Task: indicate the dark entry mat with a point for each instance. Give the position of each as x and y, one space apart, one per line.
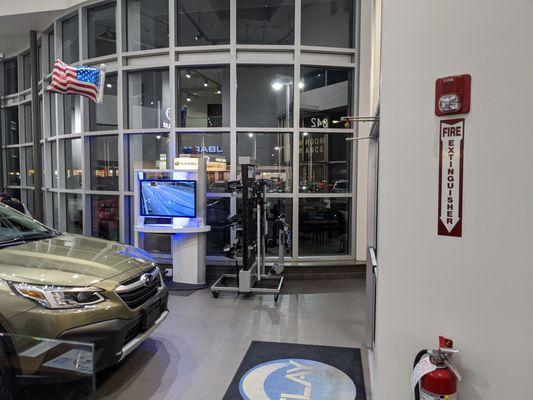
183 289
273 371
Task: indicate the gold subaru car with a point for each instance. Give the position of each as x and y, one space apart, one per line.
74 288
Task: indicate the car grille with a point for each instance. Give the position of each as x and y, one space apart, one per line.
138 290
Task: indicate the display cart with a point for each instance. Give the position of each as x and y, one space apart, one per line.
251 276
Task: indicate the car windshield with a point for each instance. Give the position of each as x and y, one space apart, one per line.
18 228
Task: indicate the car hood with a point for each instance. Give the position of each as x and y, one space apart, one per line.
70 260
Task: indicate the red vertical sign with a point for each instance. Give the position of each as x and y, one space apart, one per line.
451 155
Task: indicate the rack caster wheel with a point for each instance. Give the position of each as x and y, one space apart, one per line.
276 297
215 295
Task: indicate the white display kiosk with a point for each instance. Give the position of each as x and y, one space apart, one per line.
188 234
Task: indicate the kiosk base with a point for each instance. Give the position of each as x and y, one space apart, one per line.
188 258
188 250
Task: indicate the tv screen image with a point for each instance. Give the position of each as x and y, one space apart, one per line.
171 198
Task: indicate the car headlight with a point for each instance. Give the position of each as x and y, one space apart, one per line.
58 297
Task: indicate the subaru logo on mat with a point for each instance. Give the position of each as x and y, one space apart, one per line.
147 279
296 379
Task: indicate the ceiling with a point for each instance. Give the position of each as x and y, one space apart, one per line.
15 29
18 18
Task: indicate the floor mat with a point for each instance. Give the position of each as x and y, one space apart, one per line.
183 289
271 371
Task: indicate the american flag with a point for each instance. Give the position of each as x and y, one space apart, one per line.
82 80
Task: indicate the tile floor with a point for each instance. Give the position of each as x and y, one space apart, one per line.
196 352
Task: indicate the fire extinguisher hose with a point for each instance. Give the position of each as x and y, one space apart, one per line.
418 357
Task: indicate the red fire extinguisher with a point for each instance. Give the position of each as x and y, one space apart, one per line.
437 374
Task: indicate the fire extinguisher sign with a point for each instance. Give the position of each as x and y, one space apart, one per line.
451 155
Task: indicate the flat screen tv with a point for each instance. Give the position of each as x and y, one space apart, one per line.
168 198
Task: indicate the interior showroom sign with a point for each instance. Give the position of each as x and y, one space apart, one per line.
451 154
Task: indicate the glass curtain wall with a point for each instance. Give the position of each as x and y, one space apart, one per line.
28 135
101 30
11 125
149 99
147 24
273 154
213 145
328 23
203 100
73 168
51 51
103 116
148 151
10 77
202 22
13 166
104 162
265 22
74 213
70 42
29 170
197 91
26 71
71 114
265 96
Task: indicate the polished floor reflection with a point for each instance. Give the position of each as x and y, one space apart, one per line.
196 352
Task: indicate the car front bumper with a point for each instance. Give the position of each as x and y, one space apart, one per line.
114 339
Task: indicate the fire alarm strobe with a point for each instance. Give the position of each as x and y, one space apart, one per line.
452 95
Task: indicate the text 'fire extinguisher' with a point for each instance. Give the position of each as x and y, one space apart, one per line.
434 376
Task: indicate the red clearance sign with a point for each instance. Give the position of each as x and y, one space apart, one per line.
451 154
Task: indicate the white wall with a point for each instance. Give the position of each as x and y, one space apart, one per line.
10 7
476 289
367 84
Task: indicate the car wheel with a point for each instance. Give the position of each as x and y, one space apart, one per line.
7 375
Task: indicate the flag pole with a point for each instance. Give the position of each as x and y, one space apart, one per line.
100 96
